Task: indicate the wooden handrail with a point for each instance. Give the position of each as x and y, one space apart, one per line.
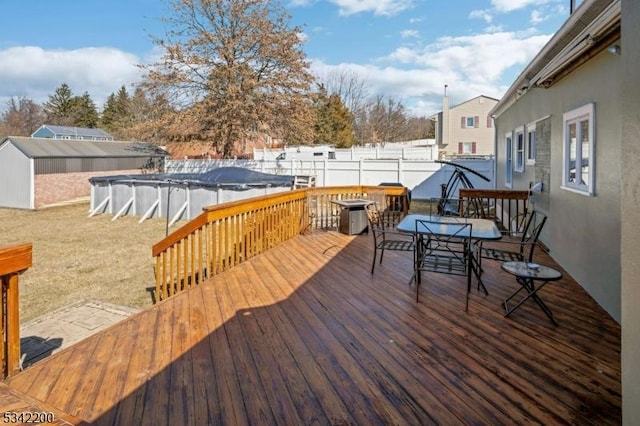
507 207
224 235
14 260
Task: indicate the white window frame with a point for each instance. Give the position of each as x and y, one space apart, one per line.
466 145
508 157
531 143
578 116
518 165
473 122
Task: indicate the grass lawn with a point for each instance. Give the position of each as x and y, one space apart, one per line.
76 257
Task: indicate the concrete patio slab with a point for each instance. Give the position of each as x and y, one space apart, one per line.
63 327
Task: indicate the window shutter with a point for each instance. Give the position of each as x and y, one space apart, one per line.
489 122
460 148
473 147
476 121
463 122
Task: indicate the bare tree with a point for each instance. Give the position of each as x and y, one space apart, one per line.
231 67
353 92
22 117
348 85
387 120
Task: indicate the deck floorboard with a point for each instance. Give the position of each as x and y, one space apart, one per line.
305 334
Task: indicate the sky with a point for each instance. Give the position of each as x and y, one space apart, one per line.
404 49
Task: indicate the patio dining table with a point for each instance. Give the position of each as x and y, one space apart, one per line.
481 229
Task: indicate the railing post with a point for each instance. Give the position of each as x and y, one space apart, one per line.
12 324
14 260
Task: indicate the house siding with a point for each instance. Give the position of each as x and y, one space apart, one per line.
15 178
630 214
481 133
43 132
583 233
75 165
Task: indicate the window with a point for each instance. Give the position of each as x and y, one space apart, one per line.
578 143
519 166
469 122
466 147
508 156
531 143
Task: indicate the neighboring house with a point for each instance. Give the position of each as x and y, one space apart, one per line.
37 172
570 125
68 132
465 129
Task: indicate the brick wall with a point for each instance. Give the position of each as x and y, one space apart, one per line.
59 187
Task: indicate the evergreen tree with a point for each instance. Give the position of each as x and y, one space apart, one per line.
109 117
84 112
334 121
123 108
65 109
117 115
59 106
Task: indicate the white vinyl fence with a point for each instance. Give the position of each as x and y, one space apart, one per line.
423 177
422 149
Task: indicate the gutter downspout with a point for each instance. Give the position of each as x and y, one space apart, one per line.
495 152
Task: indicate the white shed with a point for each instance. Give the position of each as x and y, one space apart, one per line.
35 172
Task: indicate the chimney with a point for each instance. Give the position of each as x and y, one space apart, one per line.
445 117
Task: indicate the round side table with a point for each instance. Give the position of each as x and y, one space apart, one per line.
527 274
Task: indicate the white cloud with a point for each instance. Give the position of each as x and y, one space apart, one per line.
511 5
494 29
377 7
481 14
470 65
537 17
35 73
409 34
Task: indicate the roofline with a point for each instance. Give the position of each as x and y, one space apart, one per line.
133 154
555 52
464 102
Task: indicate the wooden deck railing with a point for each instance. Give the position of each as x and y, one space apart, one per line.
14 260
508 208
224 235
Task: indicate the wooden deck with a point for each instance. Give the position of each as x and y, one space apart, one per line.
305 335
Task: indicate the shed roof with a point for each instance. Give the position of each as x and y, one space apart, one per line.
59 148
76 131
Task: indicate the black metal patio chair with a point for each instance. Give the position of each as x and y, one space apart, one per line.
385 236
444 247
517 246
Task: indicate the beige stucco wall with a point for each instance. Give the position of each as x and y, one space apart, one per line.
583 233
483 135
630 213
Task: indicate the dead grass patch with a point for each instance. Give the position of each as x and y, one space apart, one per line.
76 257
